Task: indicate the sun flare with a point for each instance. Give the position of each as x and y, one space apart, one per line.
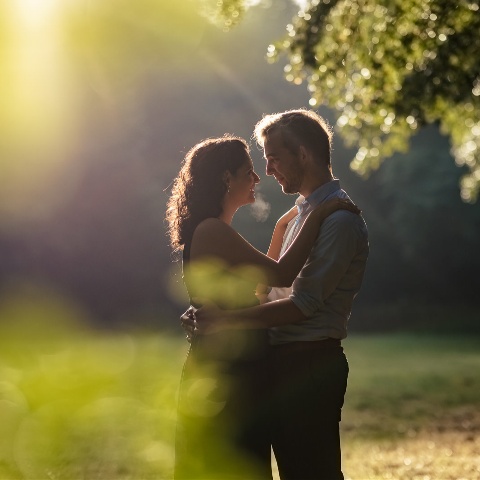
38 104
35 13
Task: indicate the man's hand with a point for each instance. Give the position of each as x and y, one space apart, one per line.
210 319
188 321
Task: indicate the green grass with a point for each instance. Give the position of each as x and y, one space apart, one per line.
81 405
412 407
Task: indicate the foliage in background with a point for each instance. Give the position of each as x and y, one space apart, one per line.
424 239
388 68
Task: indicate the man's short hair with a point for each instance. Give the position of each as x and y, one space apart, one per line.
297 128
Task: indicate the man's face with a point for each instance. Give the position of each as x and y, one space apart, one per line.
285 166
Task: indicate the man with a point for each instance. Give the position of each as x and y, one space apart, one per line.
308 368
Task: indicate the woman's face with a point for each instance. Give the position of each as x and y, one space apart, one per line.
242 184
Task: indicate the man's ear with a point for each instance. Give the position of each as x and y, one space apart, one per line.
303 154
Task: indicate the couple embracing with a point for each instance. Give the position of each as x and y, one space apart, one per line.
266 368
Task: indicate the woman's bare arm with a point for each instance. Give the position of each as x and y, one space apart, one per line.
275 247
279 232
214 238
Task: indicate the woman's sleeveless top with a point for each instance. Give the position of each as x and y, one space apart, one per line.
213 281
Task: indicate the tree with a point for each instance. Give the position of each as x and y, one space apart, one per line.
388 67
424 238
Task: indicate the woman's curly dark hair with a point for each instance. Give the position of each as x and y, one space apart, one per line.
200 186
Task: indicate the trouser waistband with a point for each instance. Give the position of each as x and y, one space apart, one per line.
307 345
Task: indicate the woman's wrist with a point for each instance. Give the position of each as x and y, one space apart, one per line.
285 219
281 224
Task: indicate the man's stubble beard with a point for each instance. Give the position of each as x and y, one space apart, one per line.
293 186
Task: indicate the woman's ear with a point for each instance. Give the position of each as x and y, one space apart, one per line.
227 177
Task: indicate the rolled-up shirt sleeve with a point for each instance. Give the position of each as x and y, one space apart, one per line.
325 271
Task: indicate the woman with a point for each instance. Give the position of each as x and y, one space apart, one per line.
220 433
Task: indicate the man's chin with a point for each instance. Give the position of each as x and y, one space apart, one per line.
287 190
286 187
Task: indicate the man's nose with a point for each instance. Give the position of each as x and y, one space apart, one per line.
268 168
256 178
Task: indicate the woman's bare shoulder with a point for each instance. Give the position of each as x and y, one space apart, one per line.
210 225
215 238
211 236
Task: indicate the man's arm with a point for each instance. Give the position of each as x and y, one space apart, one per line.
188 322
327 265
210 318
329 262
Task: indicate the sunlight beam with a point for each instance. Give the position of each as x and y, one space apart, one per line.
38 103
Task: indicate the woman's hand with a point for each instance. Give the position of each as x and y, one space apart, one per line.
327 208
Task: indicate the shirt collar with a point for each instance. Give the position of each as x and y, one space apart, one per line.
302 204
323 192
318 196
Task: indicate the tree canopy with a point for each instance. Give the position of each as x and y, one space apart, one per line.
388 67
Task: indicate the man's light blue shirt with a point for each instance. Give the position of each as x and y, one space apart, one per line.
330 279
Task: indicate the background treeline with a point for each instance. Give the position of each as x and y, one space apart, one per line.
104 245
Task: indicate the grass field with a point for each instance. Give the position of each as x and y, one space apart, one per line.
90 406
413 408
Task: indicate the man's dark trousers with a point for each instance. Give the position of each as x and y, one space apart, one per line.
309 381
